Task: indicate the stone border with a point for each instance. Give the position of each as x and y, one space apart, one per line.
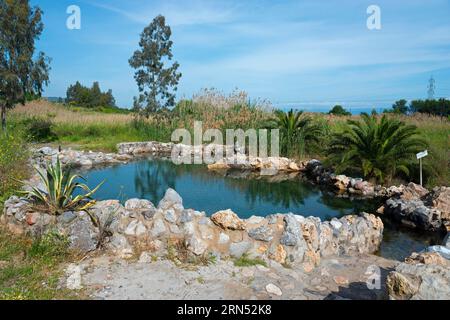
285 238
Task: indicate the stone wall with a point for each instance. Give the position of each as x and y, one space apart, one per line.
285 238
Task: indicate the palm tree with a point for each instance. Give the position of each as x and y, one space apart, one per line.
295 131
380 148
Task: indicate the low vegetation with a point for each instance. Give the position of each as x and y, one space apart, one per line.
380 149
246 261
13 164
58 195
31 269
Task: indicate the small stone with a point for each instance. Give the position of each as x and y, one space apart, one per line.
340 280
273 289
135 228
67 217
145 258
223 238
170 216
237 250
186 216
32 218
196 245
159 228
255 220
73 281
227 219
248 272
262 233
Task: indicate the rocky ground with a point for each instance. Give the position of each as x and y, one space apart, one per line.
337 278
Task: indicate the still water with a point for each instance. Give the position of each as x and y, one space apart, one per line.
246 195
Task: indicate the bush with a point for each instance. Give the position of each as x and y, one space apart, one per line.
39 129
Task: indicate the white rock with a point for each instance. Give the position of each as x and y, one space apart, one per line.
73 281
255 220
223 238
135 228
145 258
273 289
159 228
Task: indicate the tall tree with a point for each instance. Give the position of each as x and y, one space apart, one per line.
20 76
156 78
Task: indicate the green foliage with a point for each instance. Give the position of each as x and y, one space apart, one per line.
93 97
439 107
246 261
400 107
51 244
60 187
31 269
21 76
13 164
380 149
39 129
156 82
339 111
296 130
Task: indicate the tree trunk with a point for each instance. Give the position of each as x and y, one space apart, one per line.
4 118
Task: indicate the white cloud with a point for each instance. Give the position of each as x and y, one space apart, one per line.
178 14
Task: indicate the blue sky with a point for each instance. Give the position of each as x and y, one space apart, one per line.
306 53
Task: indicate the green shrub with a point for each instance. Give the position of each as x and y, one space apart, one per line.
39 129
58 194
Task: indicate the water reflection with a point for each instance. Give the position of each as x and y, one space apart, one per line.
246 193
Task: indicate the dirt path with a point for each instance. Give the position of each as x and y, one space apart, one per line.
338 278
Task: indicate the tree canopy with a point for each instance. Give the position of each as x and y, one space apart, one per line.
92 97
21 73
339 111
156 78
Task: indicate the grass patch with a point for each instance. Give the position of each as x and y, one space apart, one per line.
246 261
30 270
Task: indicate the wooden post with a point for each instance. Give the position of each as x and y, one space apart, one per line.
420 160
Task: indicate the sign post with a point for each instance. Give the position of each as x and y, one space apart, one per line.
421 155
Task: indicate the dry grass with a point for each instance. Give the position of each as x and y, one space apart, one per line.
66 115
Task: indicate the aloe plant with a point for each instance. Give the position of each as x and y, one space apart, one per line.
58 194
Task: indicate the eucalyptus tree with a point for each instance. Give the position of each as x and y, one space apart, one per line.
20 75
157 78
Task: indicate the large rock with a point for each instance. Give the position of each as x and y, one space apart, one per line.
227 219
292 233
413 213
140 206
341 182
262 233
82 234
413 192
441 201
419 282
171 199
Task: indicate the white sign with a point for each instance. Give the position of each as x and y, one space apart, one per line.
422 154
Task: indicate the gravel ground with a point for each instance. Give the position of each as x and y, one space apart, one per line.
336 278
